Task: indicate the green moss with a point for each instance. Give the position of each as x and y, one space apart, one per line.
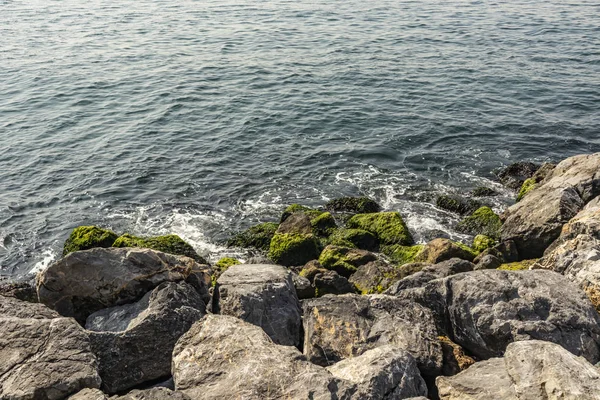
482 222
466 248
323 225
518 266
457 205
482 242
258 236
226 262
294 208
526 187
358 205
402 254
354 238
171 244
87 237
344 260
388 227
291 249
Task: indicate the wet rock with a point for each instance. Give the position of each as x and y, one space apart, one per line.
87 237
170 244
330 282
457 204
223 357
355 205
388 227
263 295
340 327
482 243
42 355
88 281
343 260
507 251
354 238
482 222
536 221
297 223
134 342
385 372
439 250
430 273
258 237
292 249
483 191
513 175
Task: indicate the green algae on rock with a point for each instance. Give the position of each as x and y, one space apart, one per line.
441 249
294 208
87 237
355 238
171 244
402 254
518 266
388 227
482 242
258 236
226 262
323 225
291 249
526 187
356 205
484 221
344 260
456 204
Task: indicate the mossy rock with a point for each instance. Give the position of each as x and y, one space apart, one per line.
87 237
441 249
482 191
484 221
526 187
388 227
294 208
518 266
402 254
354 238
291 249
226 262
482 243
356 205
323 225
171 244
258 237
457 205
344 260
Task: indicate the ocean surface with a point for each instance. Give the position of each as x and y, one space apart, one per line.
204 117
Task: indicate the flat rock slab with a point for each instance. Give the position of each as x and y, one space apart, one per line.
87 281
340 327
134 342
42 355
263 295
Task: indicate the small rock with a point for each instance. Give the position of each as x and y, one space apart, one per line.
488 262
482 222
258 237
358 238
19 290
170 244
457 205
439 250
87 237
330 282
297 223
483 191
344 260
356 205
304 288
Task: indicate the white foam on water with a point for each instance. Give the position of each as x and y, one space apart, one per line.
49 255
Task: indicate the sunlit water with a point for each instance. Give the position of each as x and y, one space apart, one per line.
204 117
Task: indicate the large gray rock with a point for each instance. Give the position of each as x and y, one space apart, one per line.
148 394
385 372
263 295
340 327
483 311
87 281
429 273
530 370
223 357
586 222
536 221
42 355
134 342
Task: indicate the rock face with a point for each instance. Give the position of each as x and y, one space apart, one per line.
530 370
224 357
42 355
429 273
263 295
340 327
536 221
88 281
134 342
382 373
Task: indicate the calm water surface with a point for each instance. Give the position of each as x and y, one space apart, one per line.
204 117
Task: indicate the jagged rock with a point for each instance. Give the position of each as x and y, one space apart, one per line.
304 288
385 372
263 295
536 221
586 222
439 250
42 355
223 357
88 281
339 327
513 175
134 342
19 290
427 274
530 370
507 251
330 282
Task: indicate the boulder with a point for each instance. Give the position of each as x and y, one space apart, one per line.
457 205
330 282
385 372
344 260
430 273
488 262
263 295
87 237
388 227
530 370
483 221
513 175
88 281
223 357
42 355
482 243
439 250
297 223
340 327
400 255
292 249
377 276
354 238
355 205
257 236
170 244
536 221
134 342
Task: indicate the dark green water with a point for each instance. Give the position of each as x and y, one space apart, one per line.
203 117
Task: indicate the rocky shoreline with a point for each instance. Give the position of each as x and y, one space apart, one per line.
335 303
